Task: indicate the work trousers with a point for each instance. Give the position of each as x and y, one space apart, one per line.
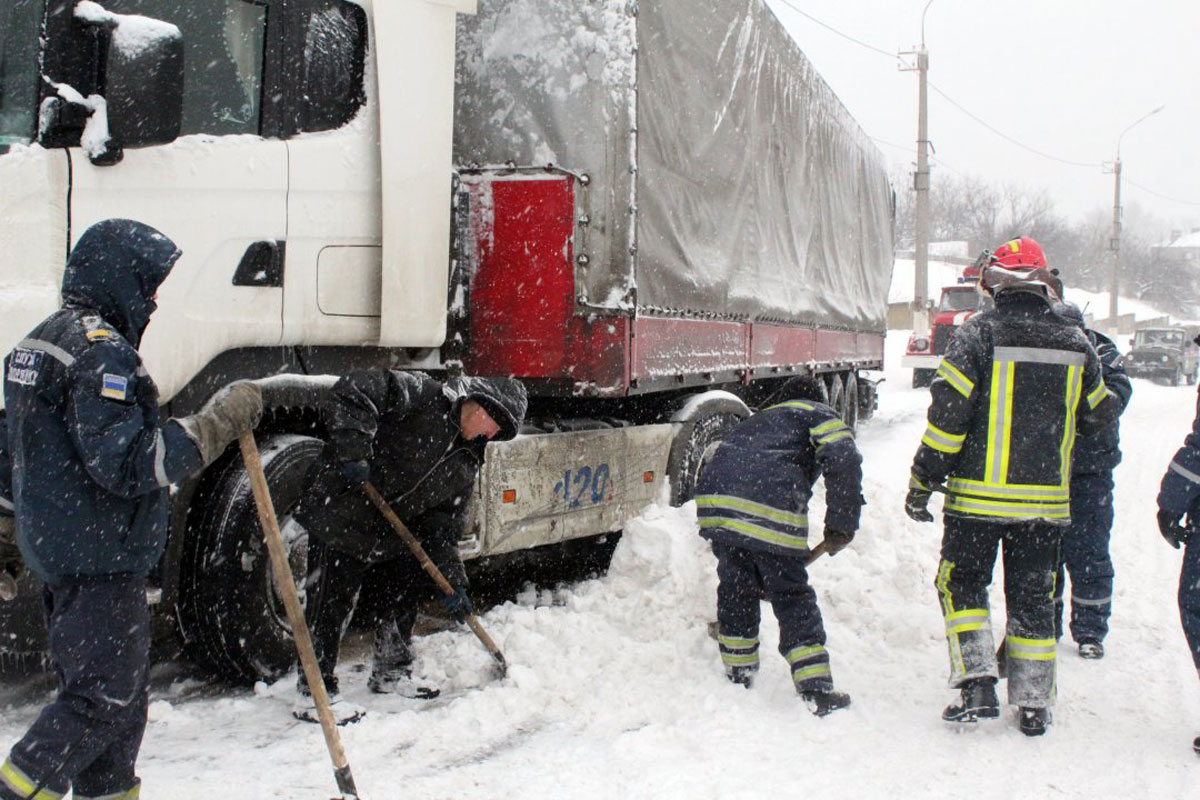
744 576
1086 559
88 738
1030 549
334 583
1189 596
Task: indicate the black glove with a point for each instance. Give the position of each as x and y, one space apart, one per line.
356 473
836 541
914 505
1172 531
458 605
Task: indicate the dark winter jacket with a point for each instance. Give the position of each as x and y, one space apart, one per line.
1179 492
1016 384
754 492
1096 454
406 425
91 457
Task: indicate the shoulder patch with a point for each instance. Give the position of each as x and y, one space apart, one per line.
24 366
114 387
97 330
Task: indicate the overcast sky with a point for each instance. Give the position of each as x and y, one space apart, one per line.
1063 77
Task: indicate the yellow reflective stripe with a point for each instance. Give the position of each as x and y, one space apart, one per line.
733 642
757 532
955 378
1098 394
792 404
816 670
943 586
1007 491
971 619
804 652
132 794
739 659
1000 421
1074 387
915 483
1031 649
23 785
940 440
825 427
833 437
994 508
751 507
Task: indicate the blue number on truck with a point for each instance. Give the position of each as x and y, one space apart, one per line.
584 486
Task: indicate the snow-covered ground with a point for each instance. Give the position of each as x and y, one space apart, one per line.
616 691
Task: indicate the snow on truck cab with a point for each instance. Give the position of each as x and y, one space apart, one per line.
506 187
958 303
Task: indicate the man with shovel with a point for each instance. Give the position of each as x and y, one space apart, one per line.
89 462
420 442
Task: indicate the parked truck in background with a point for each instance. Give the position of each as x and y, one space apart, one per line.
957 304
652 213
1164 353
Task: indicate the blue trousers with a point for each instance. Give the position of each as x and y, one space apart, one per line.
1086 559
88 738
745 575
1189 596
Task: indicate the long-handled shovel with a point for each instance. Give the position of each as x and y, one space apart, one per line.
291 601
432 570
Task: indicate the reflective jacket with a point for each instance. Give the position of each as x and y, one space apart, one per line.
406 426
754 492
1098 453
91 456
1016 384
1179 492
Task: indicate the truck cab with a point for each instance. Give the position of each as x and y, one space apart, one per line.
957 304
1165 354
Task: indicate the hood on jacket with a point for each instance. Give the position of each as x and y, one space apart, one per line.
504 399
116 268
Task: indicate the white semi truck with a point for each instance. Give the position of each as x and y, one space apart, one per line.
652 213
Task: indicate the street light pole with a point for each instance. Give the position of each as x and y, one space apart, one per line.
1114 241
921 187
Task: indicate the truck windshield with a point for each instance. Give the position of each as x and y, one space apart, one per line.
20 29
1158 339
961 301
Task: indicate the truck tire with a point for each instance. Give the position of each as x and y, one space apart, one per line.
850 417
837 393
922 377
232 619
695 444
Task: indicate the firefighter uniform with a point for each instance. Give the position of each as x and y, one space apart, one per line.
752 504
1085 544
1015 385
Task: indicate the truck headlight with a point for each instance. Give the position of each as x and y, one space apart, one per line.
919 344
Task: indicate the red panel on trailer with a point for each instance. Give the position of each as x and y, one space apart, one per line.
522 295
665 348
780 346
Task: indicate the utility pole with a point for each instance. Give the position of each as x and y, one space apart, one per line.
1114 241
921 185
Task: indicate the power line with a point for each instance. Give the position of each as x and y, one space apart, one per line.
832 29
1161 196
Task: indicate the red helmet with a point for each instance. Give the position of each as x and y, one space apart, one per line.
1021 253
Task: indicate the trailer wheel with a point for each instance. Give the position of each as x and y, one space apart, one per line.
850 415
695 444
233 620
837 394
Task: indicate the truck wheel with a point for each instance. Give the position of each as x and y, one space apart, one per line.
837 394
233 620
922 377
850 417
695 444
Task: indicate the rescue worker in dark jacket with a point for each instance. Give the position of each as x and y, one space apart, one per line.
1179 495
421 443
1085 544
1016 382
91 463
752 503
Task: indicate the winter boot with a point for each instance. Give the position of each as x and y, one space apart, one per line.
400 682
344 711
1196 745
824 702
743 676
1091 649
978 701
1034 721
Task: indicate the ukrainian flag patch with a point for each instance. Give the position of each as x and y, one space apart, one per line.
114 387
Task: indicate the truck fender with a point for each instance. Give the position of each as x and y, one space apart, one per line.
703 421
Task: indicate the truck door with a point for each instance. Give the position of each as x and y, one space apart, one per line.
220 191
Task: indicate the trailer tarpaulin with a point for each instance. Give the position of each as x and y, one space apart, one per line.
726 178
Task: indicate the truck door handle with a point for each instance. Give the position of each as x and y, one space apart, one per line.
261 265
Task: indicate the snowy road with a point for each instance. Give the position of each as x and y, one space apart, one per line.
616 691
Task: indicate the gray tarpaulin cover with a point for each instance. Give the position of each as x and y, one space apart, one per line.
716 155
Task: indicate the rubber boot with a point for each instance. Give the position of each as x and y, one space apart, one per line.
824 703
977 701
1034 721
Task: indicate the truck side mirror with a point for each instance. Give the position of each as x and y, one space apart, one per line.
143 88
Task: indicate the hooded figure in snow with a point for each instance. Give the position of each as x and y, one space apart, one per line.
421 443
89 460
